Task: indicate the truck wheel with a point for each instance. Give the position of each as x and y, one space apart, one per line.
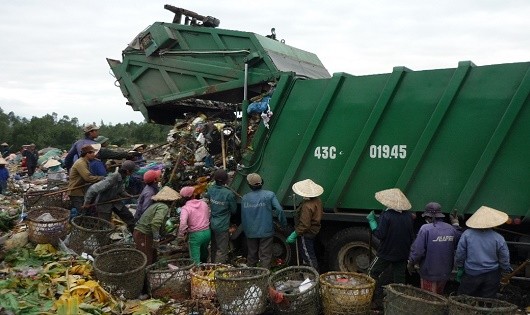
282 252
349 250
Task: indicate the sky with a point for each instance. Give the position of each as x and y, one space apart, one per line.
53 53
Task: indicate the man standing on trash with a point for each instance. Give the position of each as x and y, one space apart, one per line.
257 210
32 158
482 254
91 132
307 220
223 204
434 249
109 189
395 232
80 177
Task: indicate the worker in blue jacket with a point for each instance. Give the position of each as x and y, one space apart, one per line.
482 254
257 210
91 132
434 249
395 232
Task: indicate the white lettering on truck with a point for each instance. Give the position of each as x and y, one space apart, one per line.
397 151
325 153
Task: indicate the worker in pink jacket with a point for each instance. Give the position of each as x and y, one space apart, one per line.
195 221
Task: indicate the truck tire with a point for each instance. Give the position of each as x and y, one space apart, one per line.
282 253
349 250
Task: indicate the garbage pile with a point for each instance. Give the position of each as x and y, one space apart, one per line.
199 144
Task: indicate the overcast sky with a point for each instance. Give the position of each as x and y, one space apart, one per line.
53 53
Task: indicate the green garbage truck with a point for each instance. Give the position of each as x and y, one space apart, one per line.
459 136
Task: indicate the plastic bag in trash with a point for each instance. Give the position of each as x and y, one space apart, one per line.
259 106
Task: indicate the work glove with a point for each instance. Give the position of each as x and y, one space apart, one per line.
459 274
410 267
170 225
292 238
454 218
371 220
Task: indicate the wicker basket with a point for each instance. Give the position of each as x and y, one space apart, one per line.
44 198
305 302
48 231
468 305
100 250
121 271
203 280
170 282
89 233
405 299
346 292
242 291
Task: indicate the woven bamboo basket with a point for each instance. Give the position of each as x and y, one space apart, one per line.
242 291
306 302
47 231
469 305
100 250
203 280
121 271
44 198
89 233
346 292
170 279
404 299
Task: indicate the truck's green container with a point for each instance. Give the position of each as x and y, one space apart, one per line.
457 136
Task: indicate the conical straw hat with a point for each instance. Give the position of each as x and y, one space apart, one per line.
138 145
393 198
96 146
486 217
3 161
307 188
166 194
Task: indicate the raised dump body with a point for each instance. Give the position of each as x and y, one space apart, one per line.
171 69
456 136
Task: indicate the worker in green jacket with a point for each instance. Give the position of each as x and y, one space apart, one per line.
223 204
148 228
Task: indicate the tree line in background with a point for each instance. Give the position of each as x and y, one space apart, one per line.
52 131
